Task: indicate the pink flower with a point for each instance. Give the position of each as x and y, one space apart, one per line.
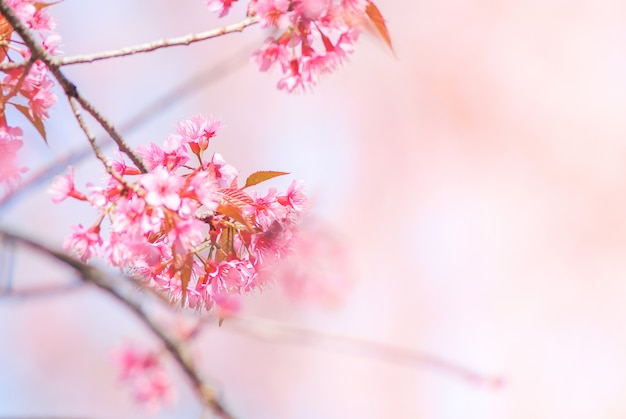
272 12
52 44
178 220
315 37
318 271
269 54
313 9
10 143
225 174
172 155
185 234
204 185
142 371
121 167
197 132
294 198
84 242
222 6
162 188
62 187
42 100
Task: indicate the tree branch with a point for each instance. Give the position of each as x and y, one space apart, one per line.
202 78
144 48
273 331
103 281
38 53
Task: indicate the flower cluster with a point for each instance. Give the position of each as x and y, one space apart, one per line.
28 92
143 372
313 36
188 230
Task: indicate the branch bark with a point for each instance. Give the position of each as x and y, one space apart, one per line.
104 282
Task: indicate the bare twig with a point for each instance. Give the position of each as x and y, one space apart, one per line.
204 77
163 43
274 331
49 291
147 47
103 281
92 141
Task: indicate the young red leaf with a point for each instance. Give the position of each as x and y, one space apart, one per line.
261 176
5 35
377 19
227 244
234 213
235 197
34 119
185 276
42 5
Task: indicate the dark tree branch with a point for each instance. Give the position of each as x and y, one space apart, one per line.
103 281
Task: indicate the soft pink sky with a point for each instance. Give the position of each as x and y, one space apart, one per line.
477 179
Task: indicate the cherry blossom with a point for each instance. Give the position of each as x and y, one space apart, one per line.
10 143
142 371
190 232
30 93
314 36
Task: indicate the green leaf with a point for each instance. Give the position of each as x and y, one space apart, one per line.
258 177
379 22
34 119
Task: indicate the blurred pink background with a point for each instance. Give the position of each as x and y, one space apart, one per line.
477 180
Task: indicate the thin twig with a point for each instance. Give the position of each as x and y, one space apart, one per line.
147 47
274 331
202 78
37 52
92 140
103 281
30 293
163 43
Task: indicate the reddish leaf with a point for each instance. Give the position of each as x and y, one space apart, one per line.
185 276
5 35
379 22
42 5
258 177
34 119
235 197
234 213
227 244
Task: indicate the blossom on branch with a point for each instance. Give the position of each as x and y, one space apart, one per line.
188 230
313 37
142 371
29 88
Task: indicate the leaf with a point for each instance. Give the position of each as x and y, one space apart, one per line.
234 213
379 22
227 244
34 119
41 5
261 176
235 197
185 276
220 321
5 35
